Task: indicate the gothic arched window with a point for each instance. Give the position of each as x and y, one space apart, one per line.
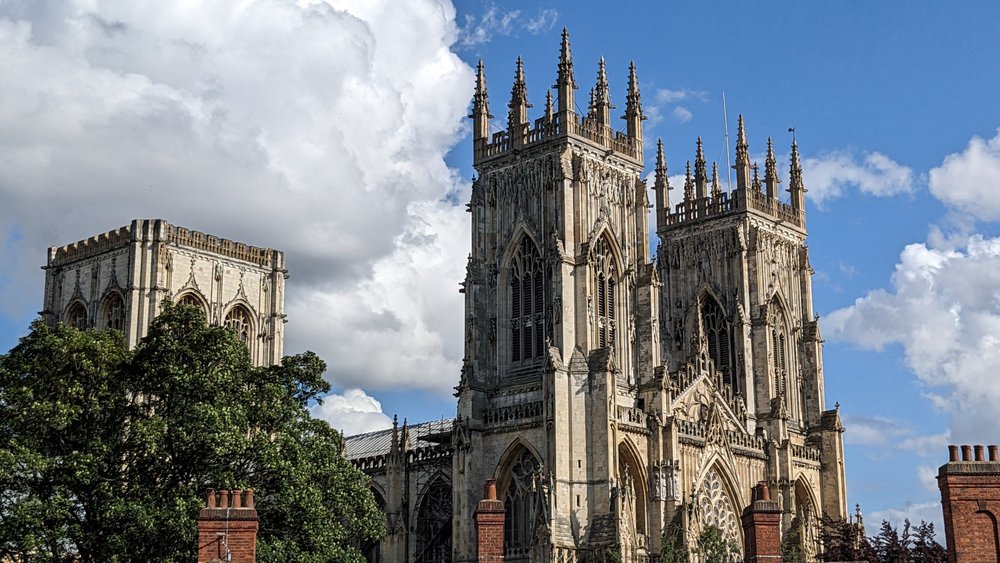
76 316
238 320
721 340
527 289
190 298
786 382
434 524
605 280
519 504
632 495
716 509
113 312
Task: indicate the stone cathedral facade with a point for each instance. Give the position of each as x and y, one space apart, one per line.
612 396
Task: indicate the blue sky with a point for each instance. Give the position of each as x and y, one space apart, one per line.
336 131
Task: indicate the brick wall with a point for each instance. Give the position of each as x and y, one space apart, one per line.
227 526
489 526
762 528
970 498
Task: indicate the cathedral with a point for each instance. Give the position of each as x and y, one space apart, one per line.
614 398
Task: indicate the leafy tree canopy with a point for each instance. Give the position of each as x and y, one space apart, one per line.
105 453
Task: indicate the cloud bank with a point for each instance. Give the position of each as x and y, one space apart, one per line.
318 128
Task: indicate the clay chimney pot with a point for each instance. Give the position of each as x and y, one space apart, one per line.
491 489
224 498
993 453
952 453
966 452
237 498
979 453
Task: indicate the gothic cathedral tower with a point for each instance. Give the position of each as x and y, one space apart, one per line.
611 396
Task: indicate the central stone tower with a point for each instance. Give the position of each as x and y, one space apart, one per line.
614 398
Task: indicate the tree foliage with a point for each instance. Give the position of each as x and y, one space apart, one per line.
105 454
715 548
845 541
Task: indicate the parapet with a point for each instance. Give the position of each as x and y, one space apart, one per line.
159 230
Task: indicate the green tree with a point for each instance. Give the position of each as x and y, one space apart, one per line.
925 548
889 546
715 548
791 543
844 541
672 548
184 412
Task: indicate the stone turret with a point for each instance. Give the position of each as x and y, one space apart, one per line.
771 179
795 185
742 165
602 96
517 116
700 172
480 107
661 183
633 106
565 84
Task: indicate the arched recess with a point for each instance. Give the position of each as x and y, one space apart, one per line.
433 522
518 476
720 336
632 492
716 503
607 297
781 342
525 280
194 299
239 320
807 516
372 550
112 311
76 315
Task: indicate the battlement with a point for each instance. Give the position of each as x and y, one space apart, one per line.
158 230
560 118
727 202
546 128
704 197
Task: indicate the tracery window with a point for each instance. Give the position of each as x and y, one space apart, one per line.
606 280
632 496
716 509
519 505
238 320
192 300
434 524
527 290
76 317
721 340
113 312
779 359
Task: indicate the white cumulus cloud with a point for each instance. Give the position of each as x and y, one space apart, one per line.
319 128
944 309
353 412
969 180
829 175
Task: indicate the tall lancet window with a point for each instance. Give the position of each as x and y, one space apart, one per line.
606 282
113 312
238 320
721 340
520 499
781 359
527 290
76 317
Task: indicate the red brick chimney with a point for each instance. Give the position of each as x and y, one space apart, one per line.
228 533
762 527
970 497
489 525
